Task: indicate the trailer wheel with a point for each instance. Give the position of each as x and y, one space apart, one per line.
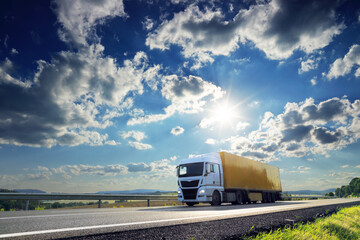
273 197
264 197
216 198
239 197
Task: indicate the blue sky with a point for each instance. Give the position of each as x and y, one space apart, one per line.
111 95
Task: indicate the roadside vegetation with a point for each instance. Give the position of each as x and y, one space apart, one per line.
345 224
351 190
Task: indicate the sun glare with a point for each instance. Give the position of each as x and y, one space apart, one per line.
224 114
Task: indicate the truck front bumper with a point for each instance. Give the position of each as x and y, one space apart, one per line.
193 195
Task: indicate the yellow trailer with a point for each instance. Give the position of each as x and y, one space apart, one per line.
247 174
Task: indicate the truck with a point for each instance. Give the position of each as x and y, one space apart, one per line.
223 177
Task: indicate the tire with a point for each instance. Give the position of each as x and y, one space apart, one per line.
265 198
272 197
239 197
190 204
269 197
216 200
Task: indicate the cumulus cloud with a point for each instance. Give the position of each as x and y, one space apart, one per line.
140 145
302 129
148 23
242 125
65 97
276 27
313 81
43 173
14 51
186 94
177 130
210 141
343 66
138 167
136 135
308 65
164 167
78 18
82 169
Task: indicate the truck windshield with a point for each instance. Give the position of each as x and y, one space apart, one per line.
191 169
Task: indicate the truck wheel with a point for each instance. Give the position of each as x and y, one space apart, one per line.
215 199
272 197
190 204
239 197
264 197
269 197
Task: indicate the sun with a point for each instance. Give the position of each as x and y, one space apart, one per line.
223 114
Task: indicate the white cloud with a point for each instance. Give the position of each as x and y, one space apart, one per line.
242 125
302 129
210 141
276 27
78 18
136 135
138 167
177 130
308 65
139 145
65 97
6 68
342 67
186 94
14 51
148 23
345 166
81 169
313 81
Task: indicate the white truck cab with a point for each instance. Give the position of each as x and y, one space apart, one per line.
200 179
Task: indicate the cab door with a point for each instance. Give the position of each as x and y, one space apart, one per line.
212 174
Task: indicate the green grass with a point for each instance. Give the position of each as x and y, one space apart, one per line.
345 224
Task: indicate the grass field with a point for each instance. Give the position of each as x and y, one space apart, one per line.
345 224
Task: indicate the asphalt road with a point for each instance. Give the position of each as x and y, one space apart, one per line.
50 224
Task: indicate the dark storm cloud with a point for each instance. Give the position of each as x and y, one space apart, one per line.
293 147
193 85
325 136
298 133
271 148
297 17
292 118
258 155
325 110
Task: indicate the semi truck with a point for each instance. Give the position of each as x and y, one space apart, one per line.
226 178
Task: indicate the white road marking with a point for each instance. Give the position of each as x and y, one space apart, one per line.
263 210
61 215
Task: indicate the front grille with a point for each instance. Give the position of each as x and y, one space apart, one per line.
193 183
190 193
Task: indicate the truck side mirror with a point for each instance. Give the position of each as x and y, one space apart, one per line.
207 169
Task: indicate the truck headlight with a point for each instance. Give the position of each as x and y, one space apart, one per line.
179 192
202 191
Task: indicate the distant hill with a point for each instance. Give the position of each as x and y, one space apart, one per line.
28 191
310 192
137 191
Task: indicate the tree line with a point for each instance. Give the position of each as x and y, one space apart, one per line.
353 189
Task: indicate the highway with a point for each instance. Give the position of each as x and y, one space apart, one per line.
49 224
